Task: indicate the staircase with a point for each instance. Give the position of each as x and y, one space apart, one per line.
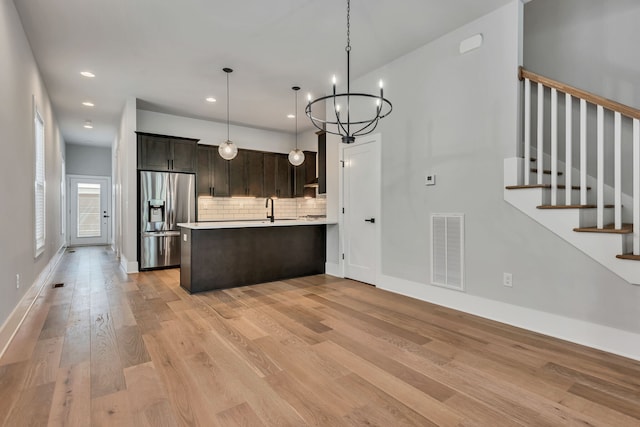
593 215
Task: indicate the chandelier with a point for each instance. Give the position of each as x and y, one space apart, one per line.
350 127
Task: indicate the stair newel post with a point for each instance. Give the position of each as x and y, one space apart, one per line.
568 143
600 168
617 171
527 129
540 135
636 187
554 147
583 152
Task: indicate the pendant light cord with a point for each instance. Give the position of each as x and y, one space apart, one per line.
227 106
296 114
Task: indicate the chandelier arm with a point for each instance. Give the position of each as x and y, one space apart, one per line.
338 122
373 123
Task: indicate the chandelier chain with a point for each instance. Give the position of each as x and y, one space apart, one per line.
348 47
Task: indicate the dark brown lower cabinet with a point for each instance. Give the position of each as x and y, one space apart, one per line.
229 257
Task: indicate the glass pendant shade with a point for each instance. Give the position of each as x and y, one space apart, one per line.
228 150
296 157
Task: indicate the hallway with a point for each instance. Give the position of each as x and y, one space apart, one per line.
112 349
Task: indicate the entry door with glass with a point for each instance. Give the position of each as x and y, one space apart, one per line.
89 210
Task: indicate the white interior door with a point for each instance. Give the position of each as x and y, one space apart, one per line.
361 182
89 210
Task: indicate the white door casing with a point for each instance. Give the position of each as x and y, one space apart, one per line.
89 208
361 202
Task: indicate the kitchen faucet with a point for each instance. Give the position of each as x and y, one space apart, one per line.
271 217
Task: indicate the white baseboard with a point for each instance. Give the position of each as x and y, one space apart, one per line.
332 269
19 313
129 267
593 335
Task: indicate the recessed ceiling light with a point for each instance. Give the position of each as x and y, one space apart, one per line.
88 104
291 116
210 99
88 124
87 74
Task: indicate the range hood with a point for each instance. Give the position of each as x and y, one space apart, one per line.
312 184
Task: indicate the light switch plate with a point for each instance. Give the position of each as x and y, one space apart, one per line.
430 179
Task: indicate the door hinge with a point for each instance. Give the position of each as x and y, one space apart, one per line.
342 256
342 210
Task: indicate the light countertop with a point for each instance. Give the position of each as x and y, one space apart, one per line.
210 225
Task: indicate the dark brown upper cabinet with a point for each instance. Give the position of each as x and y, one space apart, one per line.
166 153
212 173
305 174
246 174
277 176
322 162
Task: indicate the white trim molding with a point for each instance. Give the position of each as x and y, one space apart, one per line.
612 340
20 312
129 267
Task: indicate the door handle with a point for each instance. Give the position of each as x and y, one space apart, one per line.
371 220
105 216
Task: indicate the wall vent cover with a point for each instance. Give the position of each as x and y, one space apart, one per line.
447 250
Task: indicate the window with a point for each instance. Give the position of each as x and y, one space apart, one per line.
39 184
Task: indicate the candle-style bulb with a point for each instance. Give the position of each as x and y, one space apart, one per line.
380 84
333 80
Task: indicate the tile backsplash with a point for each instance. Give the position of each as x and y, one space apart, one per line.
225 208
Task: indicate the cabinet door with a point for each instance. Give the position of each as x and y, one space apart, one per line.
183 155
153 153
322 162
204 173
283 176
220 179
270 189
237 185
254 167
300 178
310 172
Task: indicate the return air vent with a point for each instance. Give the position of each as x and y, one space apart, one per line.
447 250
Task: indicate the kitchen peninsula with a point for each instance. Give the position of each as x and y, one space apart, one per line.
224 254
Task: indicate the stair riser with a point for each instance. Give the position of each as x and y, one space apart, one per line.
589 217
575 197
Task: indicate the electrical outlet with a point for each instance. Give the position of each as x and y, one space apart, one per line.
430 180
17 281
184 237
507 280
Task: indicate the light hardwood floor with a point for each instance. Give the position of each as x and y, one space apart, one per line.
117 350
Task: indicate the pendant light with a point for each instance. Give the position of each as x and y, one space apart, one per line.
296 156
228 150
350 128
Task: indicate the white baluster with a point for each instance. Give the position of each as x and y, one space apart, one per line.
600 168
539 162
617 171
583 152
636 187
568 143
527 130
554 147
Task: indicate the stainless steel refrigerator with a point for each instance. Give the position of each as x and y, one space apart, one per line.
165 199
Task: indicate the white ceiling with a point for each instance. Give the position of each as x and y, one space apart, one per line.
170 54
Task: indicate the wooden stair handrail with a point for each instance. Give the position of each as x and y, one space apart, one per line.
625 110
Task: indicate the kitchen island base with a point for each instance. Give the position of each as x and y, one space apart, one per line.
228 257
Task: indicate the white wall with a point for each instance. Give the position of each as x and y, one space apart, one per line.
456 116
20 83
125 189
88 160
214 133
